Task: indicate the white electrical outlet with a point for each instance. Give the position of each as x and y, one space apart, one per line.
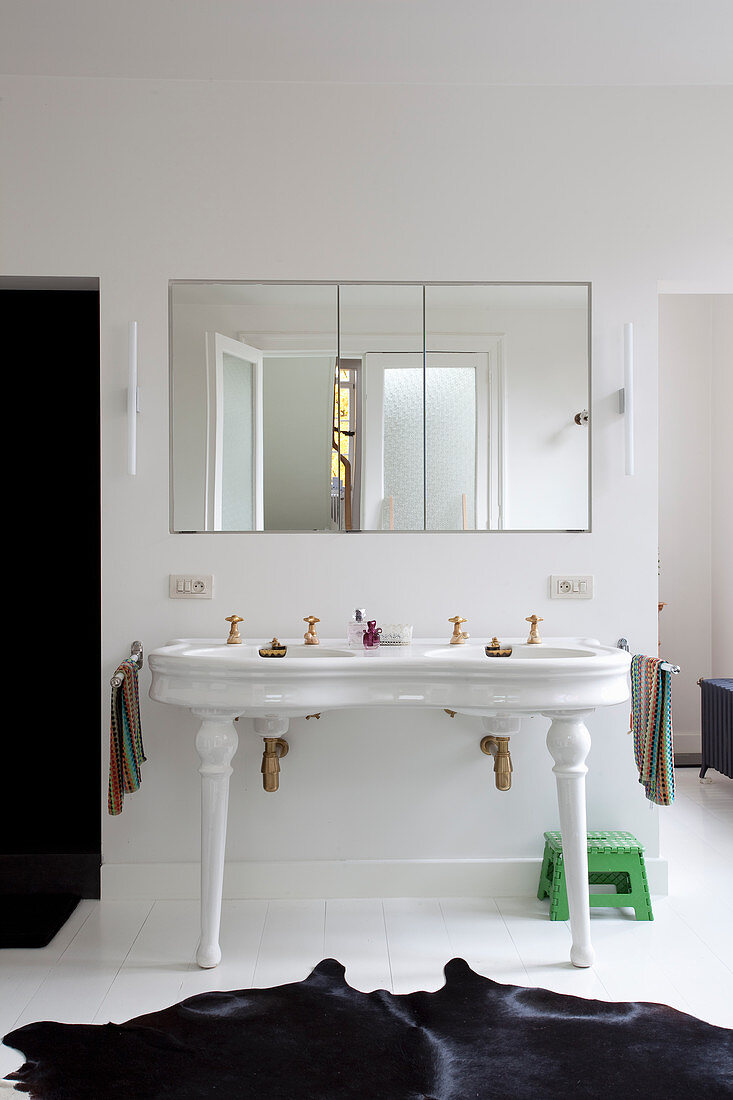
191 586
571 588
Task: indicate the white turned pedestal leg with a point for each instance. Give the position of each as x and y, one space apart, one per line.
569 741
216 744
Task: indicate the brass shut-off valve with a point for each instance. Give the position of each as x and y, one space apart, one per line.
498 747
275 749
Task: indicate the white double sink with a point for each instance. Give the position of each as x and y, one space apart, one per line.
565 679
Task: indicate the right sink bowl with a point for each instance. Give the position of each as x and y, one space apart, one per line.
520 652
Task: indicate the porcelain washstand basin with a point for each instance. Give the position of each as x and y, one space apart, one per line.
562 672
565 679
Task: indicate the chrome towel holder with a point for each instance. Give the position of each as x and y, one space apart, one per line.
666 666
136 656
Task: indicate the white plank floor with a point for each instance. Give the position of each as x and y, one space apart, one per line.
116 960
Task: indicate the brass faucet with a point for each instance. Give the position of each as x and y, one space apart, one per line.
275 749
458 637
310 636
235 638
534 638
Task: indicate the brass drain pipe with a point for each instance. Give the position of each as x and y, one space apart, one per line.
275 749
498 747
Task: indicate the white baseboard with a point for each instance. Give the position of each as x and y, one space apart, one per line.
687 742
344 879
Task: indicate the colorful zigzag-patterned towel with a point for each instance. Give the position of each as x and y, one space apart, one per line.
125 738
651 725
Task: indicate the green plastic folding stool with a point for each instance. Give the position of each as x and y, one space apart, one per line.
614 858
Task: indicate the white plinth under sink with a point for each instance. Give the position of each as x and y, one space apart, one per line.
564 679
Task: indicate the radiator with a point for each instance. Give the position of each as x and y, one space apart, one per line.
716 725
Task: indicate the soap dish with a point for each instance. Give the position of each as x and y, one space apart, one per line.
397 634
497 650
276 649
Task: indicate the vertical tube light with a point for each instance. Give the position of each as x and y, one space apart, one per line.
132 400
629 397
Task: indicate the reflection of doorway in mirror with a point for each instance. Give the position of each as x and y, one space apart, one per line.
298 441
346 457
403 504
234 468
268 448
393 481
457 442
434 454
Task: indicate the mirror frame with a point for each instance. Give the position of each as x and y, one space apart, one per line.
337 283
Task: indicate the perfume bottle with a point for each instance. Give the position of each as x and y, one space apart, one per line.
355 629
371 635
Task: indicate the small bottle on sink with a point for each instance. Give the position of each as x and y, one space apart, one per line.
371 635
355 629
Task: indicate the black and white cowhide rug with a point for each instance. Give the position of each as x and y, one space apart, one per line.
321 1039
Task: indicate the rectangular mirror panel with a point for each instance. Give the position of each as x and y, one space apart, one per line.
529 347
253 369
381 442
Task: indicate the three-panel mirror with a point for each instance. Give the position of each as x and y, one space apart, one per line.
380 407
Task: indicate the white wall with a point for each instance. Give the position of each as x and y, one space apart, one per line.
695 497
721 464
685 502
142 181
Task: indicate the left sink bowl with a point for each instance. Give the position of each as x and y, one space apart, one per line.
224 651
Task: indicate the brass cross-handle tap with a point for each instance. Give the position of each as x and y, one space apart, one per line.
534 638
310 636
235 638
458 637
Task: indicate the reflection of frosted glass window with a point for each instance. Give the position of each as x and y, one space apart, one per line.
451 447
403 448
237 498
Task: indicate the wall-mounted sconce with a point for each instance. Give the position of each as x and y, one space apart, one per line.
626 398
133 400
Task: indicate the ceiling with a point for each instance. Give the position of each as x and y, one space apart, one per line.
458 42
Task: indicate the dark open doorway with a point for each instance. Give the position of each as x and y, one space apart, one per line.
50 818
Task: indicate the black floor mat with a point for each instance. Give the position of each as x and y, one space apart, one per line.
32 920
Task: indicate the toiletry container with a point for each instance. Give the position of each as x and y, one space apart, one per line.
355 629
372 635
